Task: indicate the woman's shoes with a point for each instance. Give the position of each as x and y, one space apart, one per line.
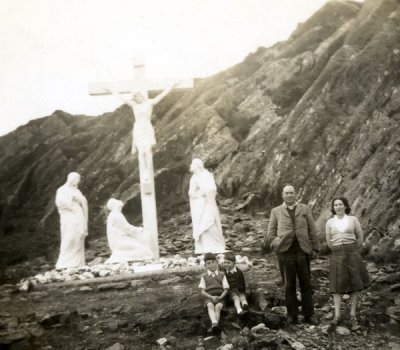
354 323
335 321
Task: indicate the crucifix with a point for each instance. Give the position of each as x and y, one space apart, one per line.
143 133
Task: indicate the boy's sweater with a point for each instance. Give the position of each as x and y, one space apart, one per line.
235 279
214 284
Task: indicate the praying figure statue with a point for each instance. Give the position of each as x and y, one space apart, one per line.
207 229
73 209
127 242
143 132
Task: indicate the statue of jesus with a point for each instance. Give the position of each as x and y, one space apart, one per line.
206 221
143 132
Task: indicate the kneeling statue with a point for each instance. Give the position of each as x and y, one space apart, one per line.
127 242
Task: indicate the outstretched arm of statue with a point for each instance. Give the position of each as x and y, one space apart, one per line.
159 97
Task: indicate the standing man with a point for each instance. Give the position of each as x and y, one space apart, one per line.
293 237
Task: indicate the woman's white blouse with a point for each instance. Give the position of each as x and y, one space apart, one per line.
343 231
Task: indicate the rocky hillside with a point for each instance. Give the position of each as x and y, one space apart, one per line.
320 110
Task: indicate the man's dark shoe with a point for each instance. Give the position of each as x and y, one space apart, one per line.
311 320
292 320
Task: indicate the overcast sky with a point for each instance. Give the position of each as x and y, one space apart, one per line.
51 49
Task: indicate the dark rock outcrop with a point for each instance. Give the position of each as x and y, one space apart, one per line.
321 110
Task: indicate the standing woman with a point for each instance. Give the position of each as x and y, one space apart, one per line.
348 274
73 209
206 221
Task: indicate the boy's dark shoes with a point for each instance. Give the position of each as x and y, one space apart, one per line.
242 314
215 330
311 320
211 330
245 307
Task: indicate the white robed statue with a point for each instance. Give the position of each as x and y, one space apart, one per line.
207 229
73 209
127 242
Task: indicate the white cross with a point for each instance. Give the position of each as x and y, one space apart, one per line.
146 172
138 83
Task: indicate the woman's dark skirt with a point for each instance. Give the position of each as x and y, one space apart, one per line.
347 272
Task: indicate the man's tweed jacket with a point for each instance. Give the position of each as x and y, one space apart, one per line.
281 230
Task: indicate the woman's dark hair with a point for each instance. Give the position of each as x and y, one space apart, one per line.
345 202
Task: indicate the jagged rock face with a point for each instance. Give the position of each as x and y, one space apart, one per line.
321 111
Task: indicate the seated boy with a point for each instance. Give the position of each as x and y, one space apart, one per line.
214 287
237 285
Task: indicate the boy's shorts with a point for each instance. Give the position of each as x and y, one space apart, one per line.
235 292
232 293
206 301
